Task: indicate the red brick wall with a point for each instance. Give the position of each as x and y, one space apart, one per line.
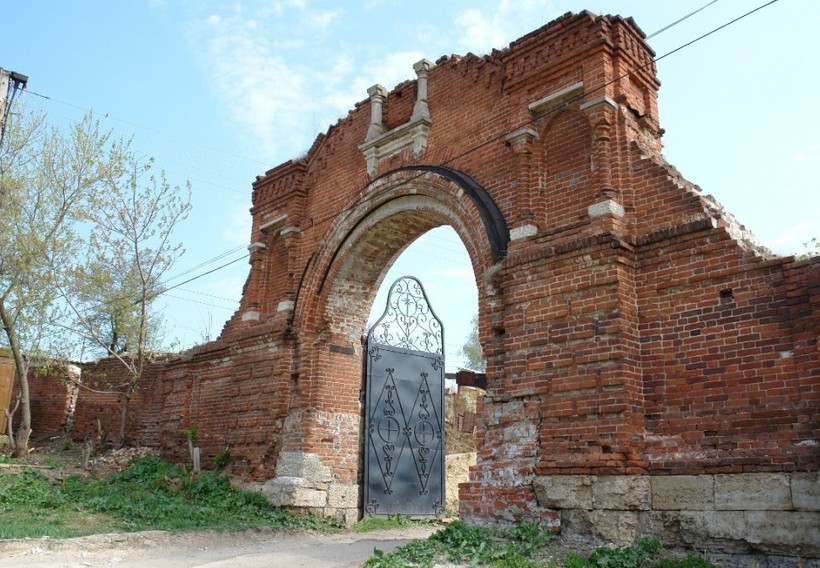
655 339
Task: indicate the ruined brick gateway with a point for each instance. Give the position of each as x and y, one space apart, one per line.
651 370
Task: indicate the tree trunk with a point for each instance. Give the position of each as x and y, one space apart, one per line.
124 413
21 372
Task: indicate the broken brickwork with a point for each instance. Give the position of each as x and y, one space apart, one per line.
649 366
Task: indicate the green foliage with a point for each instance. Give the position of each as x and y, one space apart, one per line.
638 555
28 489
461 542
150 494
519 547
383 523
471 350
631 556
811 248
419 553
191 432
222 459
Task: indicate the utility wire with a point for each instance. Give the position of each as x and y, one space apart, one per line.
560 108
198 276
461 155
529 122
150 129
679 20
202 264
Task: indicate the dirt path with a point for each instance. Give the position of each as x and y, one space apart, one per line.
251 549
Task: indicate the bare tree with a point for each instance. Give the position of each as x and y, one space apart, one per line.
130 250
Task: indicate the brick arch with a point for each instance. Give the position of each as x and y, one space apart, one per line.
388 215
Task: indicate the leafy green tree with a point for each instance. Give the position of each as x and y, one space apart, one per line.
48 181
471 350
130 250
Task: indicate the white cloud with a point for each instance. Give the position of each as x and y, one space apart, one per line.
809 154
261 89
462 272
237 229
485 29
323 19
389 71
792 240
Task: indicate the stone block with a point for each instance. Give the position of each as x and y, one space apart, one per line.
683 492
711 525
787 532
457 467
293 492
304 465
713 530
806 491
621 492
564 491
618 527
752 492
343 496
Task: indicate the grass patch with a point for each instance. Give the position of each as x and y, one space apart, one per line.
520 548
460 542
150 494
385 523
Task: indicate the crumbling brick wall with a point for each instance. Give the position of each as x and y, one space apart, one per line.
644 355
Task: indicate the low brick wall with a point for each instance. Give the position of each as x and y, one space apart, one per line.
52 392
730 515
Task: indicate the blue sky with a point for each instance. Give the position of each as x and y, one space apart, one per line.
219 92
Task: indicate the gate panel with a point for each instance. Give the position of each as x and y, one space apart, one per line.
404 421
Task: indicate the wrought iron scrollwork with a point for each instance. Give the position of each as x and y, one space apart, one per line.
408 320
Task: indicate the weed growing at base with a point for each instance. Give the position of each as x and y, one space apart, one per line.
150 494
518 548
460 542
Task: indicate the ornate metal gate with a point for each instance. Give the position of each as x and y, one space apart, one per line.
404 421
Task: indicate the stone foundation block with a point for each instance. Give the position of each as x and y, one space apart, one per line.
293 492
752 492
683 492
564 491
785 531
621 492
618 527
806 491
343 496
304 465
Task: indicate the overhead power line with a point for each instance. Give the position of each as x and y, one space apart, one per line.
556 110
568 103
154 130
461 155
679 20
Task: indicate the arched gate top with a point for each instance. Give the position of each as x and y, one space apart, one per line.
498 234
408 321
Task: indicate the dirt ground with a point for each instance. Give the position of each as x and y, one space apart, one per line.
211 549
248 549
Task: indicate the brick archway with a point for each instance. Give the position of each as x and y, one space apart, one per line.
651 367
336 293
